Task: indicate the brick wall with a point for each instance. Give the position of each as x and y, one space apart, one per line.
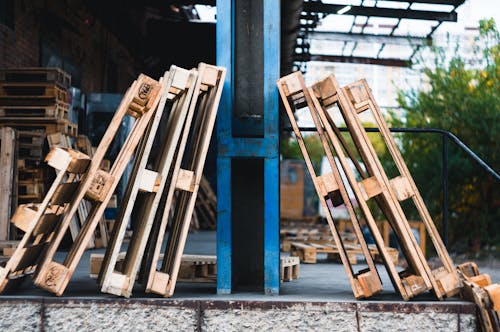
19 46
71 32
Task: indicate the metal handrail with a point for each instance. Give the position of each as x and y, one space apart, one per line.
446 135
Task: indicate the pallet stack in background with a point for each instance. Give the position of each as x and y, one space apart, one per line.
35 103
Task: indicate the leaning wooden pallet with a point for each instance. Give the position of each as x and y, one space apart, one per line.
186 175
8 176
40 221
329 186
351 101
178 88
140 102
444 278
479 289
407 285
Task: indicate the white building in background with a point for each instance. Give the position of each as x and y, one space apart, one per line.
385 81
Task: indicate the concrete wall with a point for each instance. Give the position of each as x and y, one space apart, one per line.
54 314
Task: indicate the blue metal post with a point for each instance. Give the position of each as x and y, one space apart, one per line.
271 134
224 52
267 147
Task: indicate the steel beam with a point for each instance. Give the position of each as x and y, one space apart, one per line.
318 7
369 38
248 45
353 59
455 3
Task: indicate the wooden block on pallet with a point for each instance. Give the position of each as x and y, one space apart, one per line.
305 252
289 268
7 248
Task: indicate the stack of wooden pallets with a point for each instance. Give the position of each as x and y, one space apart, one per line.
185 103
330 105
34 102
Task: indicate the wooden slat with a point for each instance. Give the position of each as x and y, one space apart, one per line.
7 178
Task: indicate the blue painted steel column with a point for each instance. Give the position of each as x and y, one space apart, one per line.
266 147
224 53
271 134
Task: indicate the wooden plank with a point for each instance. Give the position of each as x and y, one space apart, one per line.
295 94
144 92
7 178
212 78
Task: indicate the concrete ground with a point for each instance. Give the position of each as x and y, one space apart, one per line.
323 281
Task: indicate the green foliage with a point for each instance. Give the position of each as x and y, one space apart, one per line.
290 149
465 100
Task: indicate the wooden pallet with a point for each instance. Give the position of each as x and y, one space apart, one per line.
179 85
8 179
289 268
329 187
325 97
194 268
98 186
28 91
59 110
42 125
479 289
198 268
40 221
352 100
36 75
186 176
308 252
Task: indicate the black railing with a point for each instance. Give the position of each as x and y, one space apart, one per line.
446 136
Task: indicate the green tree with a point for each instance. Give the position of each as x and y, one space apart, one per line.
463 98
